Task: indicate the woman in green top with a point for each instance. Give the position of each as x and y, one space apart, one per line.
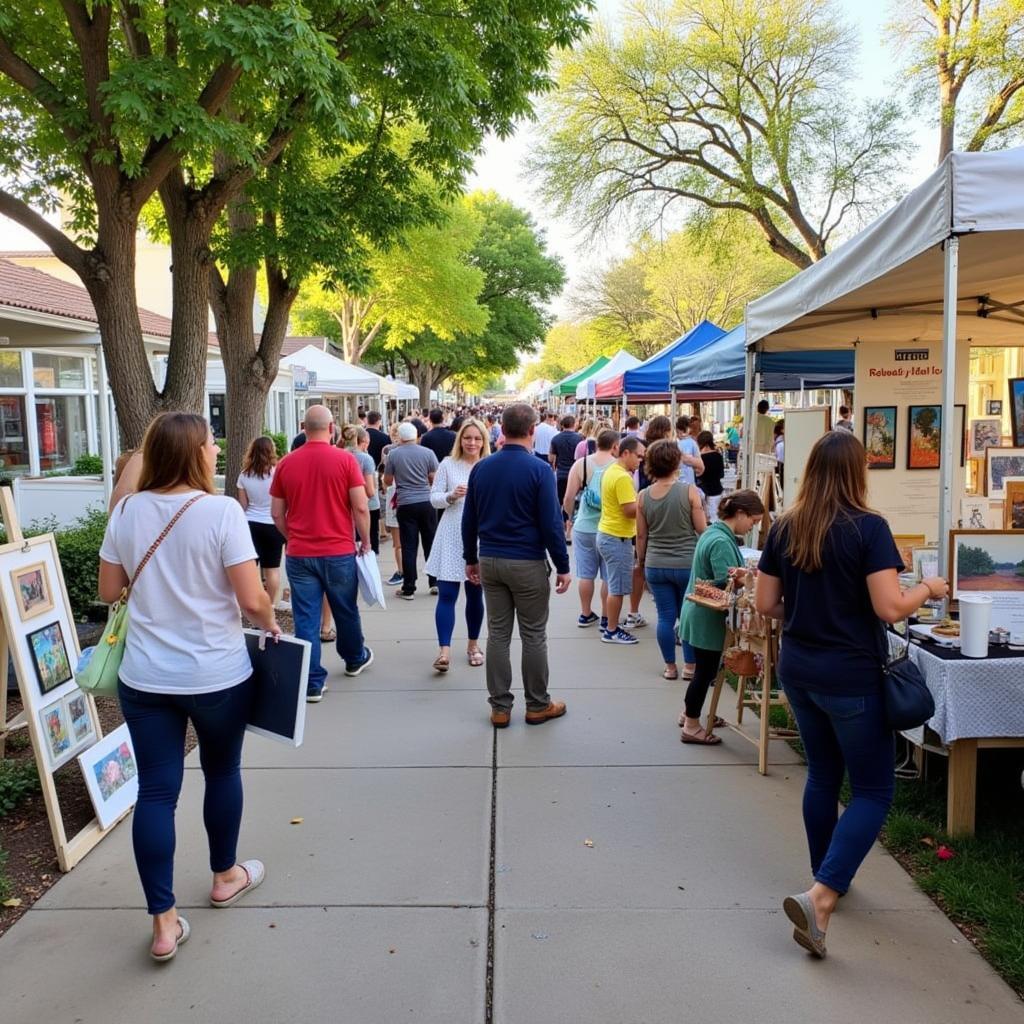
702 628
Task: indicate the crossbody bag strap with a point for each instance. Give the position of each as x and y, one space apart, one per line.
166 530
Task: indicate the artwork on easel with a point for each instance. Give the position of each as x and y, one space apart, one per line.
40 638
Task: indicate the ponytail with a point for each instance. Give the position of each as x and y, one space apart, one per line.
740 501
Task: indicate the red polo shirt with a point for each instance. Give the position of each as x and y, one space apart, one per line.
315 480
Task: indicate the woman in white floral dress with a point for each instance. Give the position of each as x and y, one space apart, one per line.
446 562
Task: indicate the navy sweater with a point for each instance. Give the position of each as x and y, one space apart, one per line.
511 510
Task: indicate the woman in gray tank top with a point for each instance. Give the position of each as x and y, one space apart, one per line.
669 519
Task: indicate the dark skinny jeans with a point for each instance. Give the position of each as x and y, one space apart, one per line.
157 724
843 735
444 610
706 665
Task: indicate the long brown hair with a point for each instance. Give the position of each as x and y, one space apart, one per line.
260 458
835 485
172 453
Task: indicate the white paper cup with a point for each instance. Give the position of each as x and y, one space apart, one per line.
975 615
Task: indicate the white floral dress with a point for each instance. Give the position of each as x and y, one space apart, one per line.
446 561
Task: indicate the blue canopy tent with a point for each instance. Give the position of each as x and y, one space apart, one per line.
649 382
716 369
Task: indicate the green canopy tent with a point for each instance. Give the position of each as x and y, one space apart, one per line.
567 386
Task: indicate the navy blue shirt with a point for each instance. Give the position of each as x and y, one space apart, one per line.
831 637
511 510
440 440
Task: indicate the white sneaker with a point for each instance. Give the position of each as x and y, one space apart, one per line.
618 636
634 620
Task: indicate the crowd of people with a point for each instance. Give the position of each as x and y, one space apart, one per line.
494 501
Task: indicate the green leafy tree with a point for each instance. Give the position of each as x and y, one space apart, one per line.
971 52
725 104
619 305
112 104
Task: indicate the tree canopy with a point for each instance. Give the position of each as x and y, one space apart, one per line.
725 104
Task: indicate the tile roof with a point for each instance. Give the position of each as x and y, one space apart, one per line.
28 288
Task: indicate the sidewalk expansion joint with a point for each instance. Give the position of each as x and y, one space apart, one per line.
491 888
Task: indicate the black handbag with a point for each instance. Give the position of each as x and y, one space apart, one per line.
908 701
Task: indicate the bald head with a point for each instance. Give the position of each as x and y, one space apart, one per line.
318 422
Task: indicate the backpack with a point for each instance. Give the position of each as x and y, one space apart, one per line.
591 499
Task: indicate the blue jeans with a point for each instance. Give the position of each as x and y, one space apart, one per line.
310 580
157 723
668 587
843 734
444 611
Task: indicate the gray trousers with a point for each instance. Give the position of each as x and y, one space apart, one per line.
516 589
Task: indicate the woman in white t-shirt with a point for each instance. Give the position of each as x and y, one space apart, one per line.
254 497
185 656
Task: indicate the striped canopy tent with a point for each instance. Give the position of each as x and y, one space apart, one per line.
567 385
649 381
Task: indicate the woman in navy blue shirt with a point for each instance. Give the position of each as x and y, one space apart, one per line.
830 570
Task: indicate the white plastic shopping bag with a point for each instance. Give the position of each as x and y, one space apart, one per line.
371 587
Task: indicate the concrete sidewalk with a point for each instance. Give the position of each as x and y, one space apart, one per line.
426 836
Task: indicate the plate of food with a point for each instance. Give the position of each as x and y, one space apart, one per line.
946 632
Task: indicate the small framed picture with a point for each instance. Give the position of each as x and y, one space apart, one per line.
32 592
906 543
994 407
985 433
924 438
79 721
986 561
926 562
50 657
56 733
1002 464
111 776
880 436
1013 503
976 514
1017 410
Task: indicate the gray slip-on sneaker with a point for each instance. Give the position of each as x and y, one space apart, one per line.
806 933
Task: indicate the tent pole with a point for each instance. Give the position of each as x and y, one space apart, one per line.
675 407
948 422
748 438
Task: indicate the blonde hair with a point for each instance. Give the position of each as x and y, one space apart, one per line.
457 453
172 453
352 435
588 427
835 484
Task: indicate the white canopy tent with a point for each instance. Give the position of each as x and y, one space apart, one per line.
947 262
336 377
619 363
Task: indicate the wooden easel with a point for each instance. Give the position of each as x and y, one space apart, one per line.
754 691
69 851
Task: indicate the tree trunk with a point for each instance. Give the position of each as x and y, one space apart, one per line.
110 281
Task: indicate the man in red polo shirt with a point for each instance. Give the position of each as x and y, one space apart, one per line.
319 503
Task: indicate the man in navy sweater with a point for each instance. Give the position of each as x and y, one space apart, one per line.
511 524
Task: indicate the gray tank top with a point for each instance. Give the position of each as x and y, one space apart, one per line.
671 537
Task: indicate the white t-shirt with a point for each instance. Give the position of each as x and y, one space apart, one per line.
184 626
542 435
257 490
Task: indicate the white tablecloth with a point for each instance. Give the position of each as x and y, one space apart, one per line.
973 698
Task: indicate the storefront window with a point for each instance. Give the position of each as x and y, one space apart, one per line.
61 426
218 421
282 411
10 370
13 441
49 371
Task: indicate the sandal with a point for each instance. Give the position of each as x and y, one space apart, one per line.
184 933
256 872
442 663
475 657
702 737
719 723
670 675
329 636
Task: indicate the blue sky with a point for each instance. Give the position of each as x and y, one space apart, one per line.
502 165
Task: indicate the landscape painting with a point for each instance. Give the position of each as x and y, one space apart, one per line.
924 442
880 436
1017 410
987 562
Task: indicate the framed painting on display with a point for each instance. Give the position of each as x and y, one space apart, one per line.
1017 410
985 433
905 544
1000 465
111 776
880 436
1013 503
924 437
32 592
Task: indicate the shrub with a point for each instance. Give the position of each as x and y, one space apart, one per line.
280 443
18 779
88 465
222 458
79 550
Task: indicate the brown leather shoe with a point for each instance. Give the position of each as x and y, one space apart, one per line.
500 718
554 710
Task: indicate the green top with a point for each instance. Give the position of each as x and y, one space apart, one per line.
717 552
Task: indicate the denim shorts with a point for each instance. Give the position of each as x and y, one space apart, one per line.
617 556
588 561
